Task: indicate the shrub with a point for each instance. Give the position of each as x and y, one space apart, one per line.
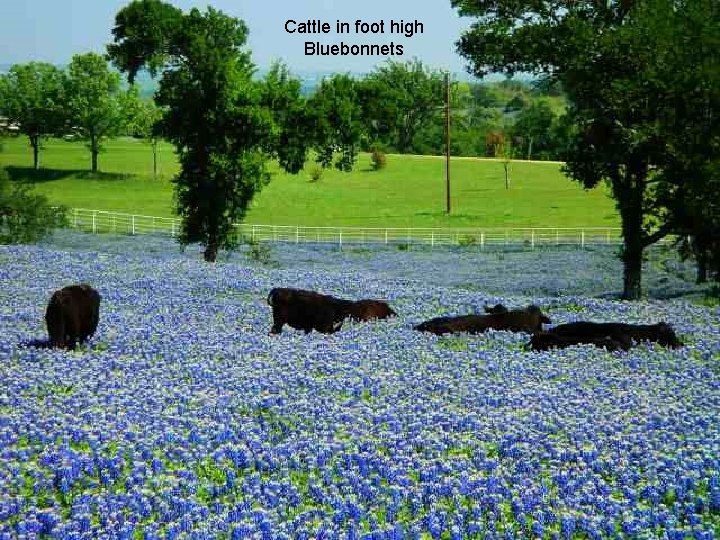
26 217
316 173
379 159
258 251
466 240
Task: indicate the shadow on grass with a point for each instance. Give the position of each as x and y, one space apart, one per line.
28 174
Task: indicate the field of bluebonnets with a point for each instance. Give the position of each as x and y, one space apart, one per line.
183 418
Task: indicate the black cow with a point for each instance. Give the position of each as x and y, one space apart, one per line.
543 341
367 310
497 308
307 310
72 315
661 333
527 320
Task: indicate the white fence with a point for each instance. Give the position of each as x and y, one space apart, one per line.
101 221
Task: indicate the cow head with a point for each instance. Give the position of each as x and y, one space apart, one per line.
666 335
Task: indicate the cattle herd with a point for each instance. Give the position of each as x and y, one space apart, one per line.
73 312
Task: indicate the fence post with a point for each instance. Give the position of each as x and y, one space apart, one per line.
532 239
133 225
297 235
582 239
557 237
432 239
114 226
482 241
386 236
340 238
172 228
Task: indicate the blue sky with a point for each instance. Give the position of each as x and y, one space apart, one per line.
54 30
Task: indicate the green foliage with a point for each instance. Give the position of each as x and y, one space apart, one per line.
33 96
467 240
399 100
96 103
336 116
217 116
25 217
295 125
378 158
258 251
622 65
316 173
534 127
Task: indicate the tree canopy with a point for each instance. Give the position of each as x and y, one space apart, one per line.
33 96
611 58
95 102
217 116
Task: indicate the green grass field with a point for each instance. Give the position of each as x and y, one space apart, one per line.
410 192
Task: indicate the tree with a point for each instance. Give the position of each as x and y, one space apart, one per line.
142 117
534 124
505 152
33 96
608 56
95 102
25 217
691 173
398 100
337 120
213 112
295 125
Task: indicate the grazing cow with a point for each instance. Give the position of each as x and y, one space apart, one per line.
366 310
527 320
543 341
307 310
497 308
72 315
661 333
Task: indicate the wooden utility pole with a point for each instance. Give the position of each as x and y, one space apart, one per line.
447 142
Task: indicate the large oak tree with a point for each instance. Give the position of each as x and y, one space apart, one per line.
609 57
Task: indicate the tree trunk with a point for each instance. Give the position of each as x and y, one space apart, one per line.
94 154
632 273
154 149
630 203
507 177
702 267
211 251
35 143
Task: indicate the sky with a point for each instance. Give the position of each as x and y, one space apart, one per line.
54 30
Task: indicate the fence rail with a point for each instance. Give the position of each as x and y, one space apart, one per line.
101 221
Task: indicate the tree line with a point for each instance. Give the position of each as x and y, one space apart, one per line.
396 108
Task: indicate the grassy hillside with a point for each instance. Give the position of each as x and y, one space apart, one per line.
410 192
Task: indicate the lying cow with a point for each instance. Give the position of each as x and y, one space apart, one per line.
307 310
367 310
72 315
528 320
661 333
543 341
